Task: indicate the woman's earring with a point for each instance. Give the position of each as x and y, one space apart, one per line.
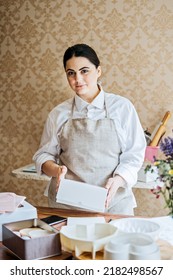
99 82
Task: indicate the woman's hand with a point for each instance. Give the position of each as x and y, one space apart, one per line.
52 169
112 185
61 174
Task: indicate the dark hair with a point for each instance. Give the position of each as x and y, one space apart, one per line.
81 50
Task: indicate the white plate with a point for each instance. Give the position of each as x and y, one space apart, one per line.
39 233
26 231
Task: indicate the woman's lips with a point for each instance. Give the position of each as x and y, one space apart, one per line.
80 86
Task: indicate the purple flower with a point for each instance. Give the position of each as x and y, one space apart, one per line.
165 174
166 146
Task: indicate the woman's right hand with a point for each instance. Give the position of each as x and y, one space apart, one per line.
52 169
61 174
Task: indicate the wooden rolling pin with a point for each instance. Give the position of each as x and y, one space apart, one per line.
161 130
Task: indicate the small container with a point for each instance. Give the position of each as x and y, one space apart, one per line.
149 176
28 248
151 153
131 246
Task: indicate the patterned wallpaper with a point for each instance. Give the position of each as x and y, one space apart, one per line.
134 40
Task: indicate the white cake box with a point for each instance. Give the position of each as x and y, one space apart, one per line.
82 195
24 212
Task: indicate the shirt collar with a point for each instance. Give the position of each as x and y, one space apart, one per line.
98 102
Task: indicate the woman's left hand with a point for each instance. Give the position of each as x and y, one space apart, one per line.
113 184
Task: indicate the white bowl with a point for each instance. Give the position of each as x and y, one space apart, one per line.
131 246
137 225
86 238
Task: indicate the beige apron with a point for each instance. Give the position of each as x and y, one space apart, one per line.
90 150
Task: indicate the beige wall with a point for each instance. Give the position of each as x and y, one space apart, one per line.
134 40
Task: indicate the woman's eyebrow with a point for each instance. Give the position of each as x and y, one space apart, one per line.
79 69
69 70
84 68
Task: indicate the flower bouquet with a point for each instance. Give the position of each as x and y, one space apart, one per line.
165 173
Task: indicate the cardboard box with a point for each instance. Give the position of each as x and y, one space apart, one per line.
25 212
82 195
148 176
32 248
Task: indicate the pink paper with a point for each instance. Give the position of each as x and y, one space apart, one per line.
10 201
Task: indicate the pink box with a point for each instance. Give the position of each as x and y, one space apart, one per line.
151 152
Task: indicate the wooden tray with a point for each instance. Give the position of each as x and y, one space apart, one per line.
166 252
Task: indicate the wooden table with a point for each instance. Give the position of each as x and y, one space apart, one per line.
6 254
43 211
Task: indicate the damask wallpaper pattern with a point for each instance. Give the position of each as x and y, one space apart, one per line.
134 40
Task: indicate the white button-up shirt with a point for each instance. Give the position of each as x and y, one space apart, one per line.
121 110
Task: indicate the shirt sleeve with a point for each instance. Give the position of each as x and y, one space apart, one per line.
132 142
50 141
49 145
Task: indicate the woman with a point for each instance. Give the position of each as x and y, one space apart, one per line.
95 137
